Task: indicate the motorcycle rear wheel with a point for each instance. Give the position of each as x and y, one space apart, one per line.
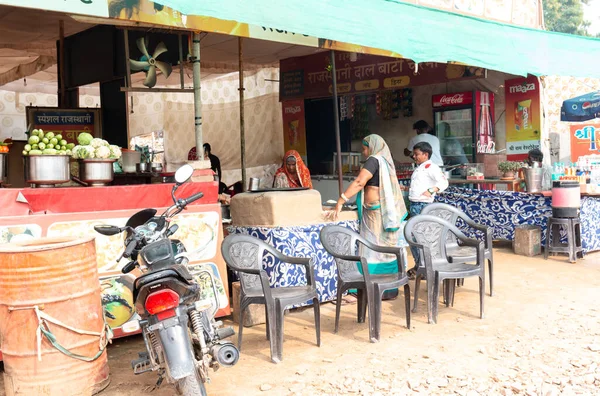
191 385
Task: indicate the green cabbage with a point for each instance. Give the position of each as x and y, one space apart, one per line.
84 138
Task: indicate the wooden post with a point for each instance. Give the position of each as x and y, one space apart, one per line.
197 96
181 72
61 34
242 130
338 143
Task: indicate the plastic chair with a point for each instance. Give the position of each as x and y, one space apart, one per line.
244 254
427 233
342 244
459 253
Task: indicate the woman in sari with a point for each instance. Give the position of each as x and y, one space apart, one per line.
381 207
293 173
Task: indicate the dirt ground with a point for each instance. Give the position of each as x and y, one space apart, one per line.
540 336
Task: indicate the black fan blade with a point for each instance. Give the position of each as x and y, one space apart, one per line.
150 80
160 48
141 44
164 67
135 65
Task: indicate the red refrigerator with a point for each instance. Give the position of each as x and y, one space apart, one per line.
464 123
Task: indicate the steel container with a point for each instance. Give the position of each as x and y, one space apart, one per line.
533 179
3 167
96 172
142 167
254 184
47 170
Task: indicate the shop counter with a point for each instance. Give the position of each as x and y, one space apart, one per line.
24 201
503 211
511 184
299 241
74 211
291 222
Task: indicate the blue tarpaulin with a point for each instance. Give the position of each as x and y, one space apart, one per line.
418 33
582 108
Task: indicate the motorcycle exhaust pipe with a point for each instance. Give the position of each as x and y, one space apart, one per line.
226 354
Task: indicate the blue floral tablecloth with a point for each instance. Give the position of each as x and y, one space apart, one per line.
504 210
298 241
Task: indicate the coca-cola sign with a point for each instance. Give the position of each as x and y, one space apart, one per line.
453 99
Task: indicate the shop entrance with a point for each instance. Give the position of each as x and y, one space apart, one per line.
320 136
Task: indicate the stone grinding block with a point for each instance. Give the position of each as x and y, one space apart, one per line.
277 208
528 240
255 313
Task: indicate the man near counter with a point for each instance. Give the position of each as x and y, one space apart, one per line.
536 155
426 181
423 135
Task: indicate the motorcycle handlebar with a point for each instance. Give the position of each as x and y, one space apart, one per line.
130 266
193 198
130 246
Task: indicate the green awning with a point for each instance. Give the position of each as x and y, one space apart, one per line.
418 33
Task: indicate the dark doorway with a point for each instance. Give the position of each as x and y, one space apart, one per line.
320 135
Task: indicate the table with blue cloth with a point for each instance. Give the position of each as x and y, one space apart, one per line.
298 241
503 211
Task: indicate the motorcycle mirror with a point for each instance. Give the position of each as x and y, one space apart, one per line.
107 230
183 174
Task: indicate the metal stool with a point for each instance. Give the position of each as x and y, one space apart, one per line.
573 246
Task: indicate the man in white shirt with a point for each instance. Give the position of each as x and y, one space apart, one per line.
426 181
422 128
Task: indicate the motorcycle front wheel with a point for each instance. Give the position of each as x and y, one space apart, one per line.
191 386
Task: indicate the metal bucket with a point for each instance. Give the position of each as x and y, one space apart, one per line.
533 179
59 276
96 172
254 184
47 170
129 160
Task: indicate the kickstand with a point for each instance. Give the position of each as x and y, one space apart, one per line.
157 385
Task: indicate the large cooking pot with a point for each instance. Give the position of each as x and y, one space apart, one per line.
96 172
47 170
566 198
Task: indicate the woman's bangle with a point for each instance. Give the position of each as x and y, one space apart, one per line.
344 197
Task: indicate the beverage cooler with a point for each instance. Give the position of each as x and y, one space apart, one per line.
464 123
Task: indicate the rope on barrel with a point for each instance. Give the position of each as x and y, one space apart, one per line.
105 336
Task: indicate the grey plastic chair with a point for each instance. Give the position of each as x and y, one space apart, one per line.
427 233
342 243
245 254
460 253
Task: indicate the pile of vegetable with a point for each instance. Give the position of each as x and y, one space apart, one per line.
5 146
40 143
94 148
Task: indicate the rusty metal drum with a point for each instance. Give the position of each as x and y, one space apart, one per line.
52 329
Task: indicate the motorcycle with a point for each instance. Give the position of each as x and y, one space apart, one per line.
182 338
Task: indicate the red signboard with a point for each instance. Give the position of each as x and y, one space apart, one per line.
452 99
310 76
